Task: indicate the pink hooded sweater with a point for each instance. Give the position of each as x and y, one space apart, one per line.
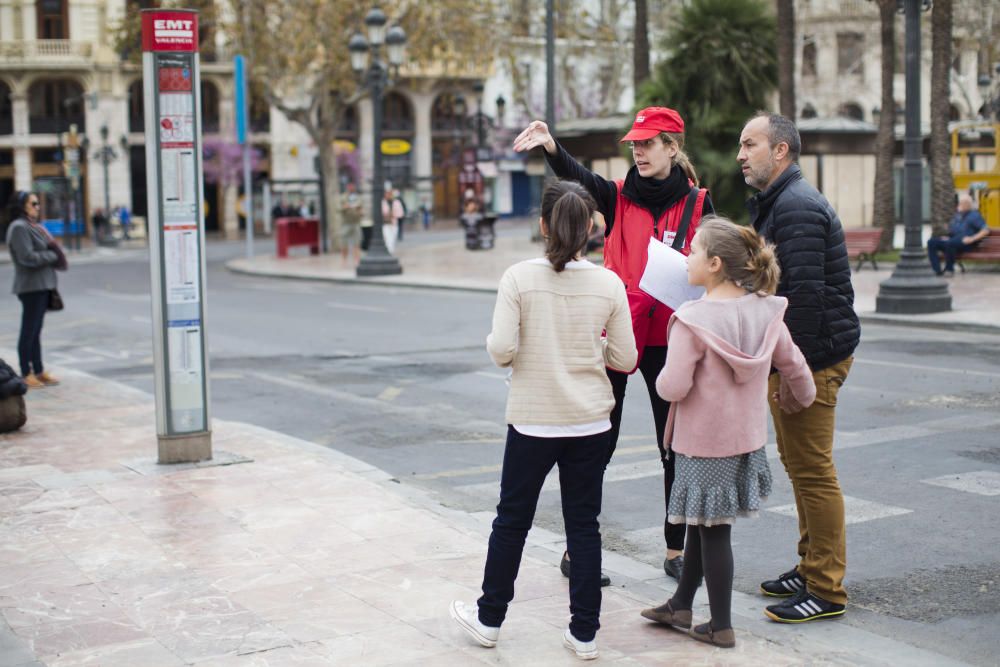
719 356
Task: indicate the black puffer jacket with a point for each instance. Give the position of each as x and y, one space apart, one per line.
11 383
815 270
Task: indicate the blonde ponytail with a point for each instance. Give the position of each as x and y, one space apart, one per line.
747 259
681 159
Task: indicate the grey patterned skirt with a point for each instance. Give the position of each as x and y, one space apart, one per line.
713 491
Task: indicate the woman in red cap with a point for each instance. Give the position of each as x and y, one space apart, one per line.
659 197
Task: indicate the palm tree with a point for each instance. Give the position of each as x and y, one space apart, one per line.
786 57
942 182
640 45
720 69
884 212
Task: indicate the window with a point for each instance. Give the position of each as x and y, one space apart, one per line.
136 104
809 111
6 111
53 22
851 110
850 53
209 107
396 114
53 104
809 57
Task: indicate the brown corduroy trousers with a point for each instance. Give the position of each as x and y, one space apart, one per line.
805 444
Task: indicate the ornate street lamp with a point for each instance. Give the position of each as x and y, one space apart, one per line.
913 288
367 53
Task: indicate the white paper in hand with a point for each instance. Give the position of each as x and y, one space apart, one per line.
666 276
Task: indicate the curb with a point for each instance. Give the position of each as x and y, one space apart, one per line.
895 320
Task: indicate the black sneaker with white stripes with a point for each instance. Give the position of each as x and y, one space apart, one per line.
803 607
784 586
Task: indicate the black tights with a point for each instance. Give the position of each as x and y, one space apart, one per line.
708 552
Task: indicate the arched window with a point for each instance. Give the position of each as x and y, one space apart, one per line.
809 111
448 114
209 107
396 115
347 129
6 110
53 104
136 106
809 58
851 110
53 21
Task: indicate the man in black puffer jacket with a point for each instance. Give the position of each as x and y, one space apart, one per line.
816 280
12 389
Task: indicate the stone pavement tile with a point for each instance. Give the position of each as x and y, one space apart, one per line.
112 552
153 598
19 546
390 523
28 578
142 652
181 517
57 638
194 637
405 591
307 543
82 478
21 473
294 656
337 615
266 571
58 605
276 514
304 593
389 645
136 489
62 498
94 517
440 543
13 649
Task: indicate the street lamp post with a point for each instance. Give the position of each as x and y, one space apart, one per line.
106 154
377 261
913 288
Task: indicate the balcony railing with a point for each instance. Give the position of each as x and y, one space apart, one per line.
45 49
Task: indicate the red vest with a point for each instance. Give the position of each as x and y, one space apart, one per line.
625 253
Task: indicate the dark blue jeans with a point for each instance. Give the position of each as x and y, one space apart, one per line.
29 342
951 247
526 462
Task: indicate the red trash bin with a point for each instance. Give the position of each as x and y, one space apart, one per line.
290 232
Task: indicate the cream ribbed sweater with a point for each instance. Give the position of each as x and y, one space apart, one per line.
547 326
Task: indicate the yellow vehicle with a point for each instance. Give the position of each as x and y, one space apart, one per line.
975 152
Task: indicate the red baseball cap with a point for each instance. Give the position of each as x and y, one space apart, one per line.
650 121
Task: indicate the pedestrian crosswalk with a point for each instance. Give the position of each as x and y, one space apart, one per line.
856 510
980 482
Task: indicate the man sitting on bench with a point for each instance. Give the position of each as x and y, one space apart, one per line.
966 230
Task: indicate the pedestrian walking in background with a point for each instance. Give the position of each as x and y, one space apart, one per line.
351 221
660 198
125 220
36 256
396 197
816 279
547 328
720 352
392 216
965 232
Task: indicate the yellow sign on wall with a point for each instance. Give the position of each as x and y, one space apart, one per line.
395 147
344 146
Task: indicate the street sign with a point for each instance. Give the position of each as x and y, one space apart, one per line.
171 78
395 147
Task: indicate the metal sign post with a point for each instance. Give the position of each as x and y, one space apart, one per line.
242 121
171 86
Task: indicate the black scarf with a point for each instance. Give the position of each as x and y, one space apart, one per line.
656 195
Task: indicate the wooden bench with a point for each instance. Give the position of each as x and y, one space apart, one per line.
988 250
863 244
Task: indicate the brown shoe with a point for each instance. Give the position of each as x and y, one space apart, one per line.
33 382
721 638
665 615
47 379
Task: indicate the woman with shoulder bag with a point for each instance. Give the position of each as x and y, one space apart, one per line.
36 257
659 197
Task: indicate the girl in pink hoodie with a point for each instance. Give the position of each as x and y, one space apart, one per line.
720 351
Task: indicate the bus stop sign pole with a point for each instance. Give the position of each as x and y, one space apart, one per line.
172 94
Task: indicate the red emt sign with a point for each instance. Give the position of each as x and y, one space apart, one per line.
169 31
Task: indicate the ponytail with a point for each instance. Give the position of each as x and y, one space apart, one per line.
681 159
747 259
566 209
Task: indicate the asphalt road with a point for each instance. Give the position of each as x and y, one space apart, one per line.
400 378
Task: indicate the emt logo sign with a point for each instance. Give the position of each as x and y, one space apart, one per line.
169 31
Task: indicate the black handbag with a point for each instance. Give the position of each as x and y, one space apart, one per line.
55 300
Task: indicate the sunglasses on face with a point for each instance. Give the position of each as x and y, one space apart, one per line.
33 204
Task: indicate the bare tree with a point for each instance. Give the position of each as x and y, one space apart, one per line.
786 57
942 181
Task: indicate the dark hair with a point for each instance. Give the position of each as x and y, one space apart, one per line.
566 209
747 259
782 130
15 207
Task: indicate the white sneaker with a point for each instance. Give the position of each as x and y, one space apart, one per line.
467 616
583 650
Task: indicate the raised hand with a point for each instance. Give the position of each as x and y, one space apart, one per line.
536 134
